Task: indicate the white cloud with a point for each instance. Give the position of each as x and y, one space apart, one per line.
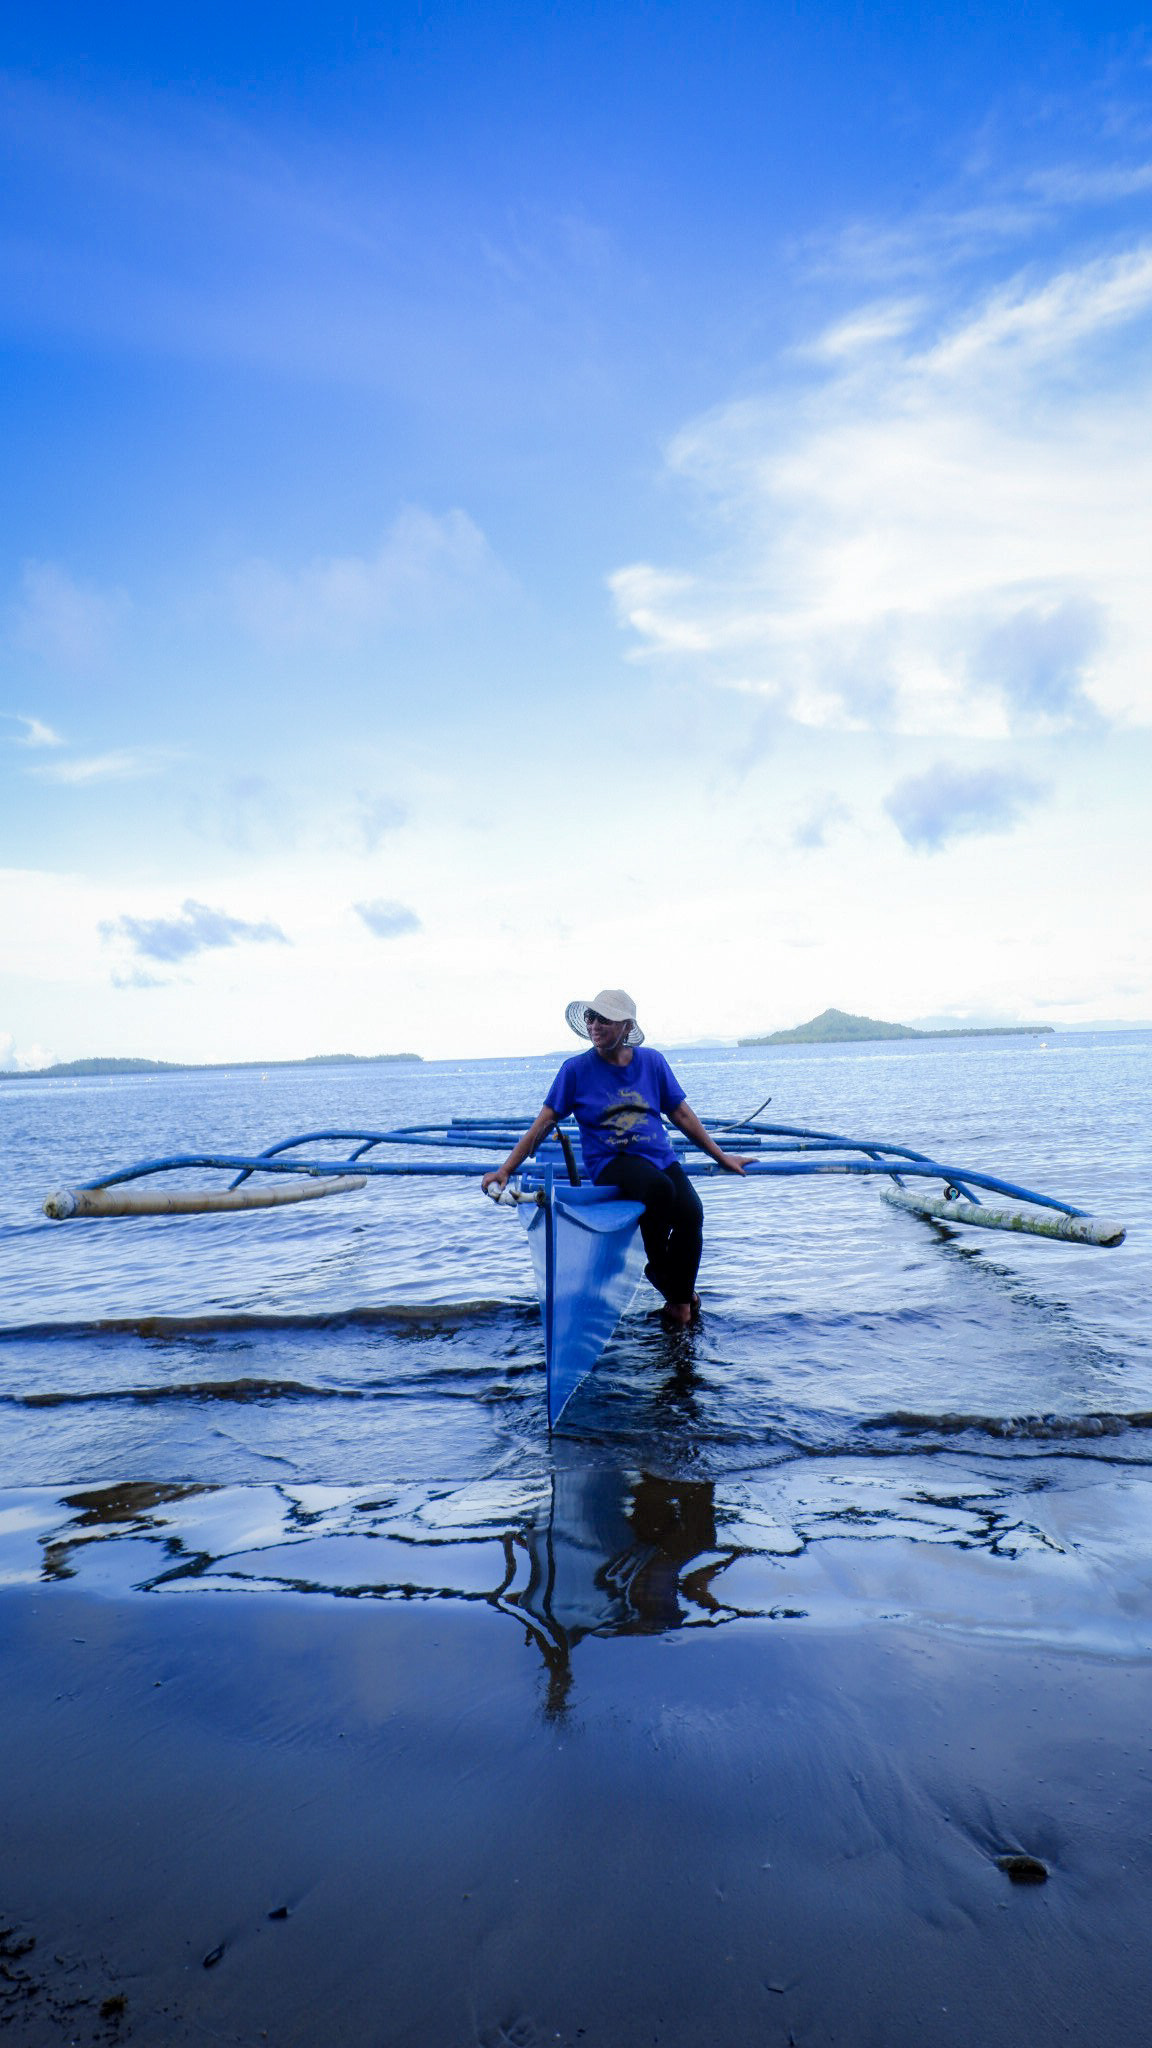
68 625
35 733
1090 184
197 929
20 1059
1025 323
822 816
249 812
941 532
864 328
961 227
125 764
376 816
138 977
387 920
422 559
946 803
870 926
938 237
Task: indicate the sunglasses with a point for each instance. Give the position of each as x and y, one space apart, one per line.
594 1017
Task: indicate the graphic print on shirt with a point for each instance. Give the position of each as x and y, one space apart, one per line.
630 1112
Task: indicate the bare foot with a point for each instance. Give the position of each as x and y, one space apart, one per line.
678 1313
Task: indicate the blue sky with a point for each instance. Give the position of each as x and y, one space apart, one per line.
498 501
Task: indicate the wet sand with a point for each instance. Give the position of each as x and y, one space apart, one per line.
307 1820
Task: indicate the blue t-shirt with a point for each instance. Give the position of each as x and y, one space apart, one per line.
618 1108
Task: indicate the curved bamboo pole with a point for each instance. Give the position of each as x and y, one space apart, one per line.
989 1216
69 1202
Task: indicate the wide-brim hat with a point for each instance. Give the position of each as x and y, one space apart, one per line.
613 1003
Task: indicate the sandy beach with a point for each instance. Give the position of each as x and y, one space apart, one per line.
302 1819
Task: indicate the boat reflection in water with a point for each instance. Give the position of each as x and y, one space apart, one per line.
592 1550
611 1558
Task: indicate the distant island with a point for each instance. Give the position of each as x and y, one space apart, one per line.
838 1027
84 1069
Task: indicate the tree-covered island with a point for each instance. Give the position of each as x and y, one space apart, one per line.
72 1070
839 1027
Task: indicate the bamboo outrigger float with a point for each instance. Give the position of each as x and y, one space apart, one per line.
584 1240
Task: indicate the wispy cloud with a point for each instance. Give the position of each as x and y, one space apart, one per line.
943 236
248 813
1040 657
376 816
35 733
1079 184
138 977
124 764
387 920
1025 323
296 251
947 803
197 929
255 813
66 624
423 558
811 831
864 328
941 530
986 210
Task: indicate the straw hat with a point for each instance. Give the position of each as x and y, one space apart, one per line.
612 1003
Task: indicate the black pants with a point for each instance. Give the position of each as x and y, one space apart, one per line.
672 1226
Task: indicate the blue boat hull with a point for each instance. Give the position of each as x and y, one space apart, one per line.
587 1258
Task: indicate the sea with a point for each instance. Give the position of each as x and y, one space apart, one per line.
347 1397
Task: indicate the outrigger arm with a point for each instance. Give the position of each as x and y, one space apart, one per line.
776 1150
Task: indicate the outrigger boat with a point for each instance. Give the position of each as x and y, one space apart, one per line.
584 1240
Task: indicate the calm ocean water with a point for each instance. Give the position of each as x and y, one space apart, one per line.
349 1396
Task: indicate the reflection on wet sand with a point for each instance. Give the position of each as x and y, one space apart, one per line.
610 1558
127 1508
595 1548
599 1551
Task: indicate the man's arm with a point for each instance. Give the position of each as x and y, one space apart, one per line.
686 1120
522 1149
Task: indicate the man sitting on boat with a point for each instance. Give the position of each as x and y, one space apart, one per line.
619 1093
